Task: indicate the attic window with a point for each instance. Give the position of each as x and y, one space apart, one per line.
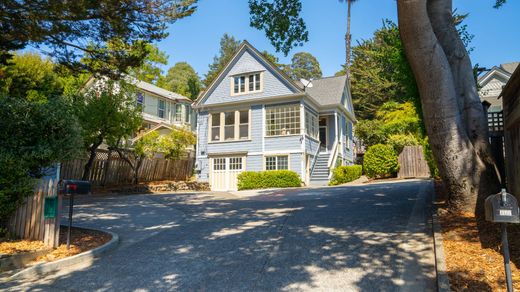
247 83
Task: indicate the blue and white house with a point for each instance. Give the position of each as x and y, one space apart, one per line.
253 117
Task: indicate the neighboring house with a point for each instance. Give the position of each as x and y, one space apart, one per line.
490 87
162 109
254 117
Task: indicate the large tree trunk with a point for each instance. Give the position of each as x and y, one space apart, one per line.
92 155
348 39
452 118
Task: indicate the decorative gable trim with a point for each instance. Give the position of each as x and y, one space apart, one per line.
245 46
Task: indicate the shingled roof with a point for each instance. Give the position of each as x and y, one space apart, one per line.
327 91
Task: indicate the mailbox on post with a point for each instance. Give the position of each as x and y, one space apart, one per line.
503 208
71 188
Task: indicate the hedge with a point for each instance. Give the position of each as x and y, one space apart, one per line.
380 161
345 174
249 180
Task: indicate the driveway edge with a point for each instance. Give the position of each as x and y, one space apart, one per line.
44 268
443 282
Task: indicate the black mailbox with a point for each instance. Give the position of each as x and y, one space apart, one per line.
76 187
502 208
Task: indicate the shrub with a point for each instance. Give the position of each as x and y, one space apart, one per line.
398 141
249 180
380 161
345 174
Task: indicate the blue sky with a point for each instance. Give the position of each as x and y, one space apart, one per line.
196 39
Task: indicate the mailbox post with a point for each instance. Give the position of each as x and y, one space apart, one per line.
70 188
503 208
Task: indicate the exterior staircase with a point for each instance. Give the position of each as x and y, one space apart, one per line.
320 173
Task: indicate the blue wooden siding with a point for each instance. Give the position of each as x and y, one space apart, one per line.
295 163
247 62
283 143
311 145
331 125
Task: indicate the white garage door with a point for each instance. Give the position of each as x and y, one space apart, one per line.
224 172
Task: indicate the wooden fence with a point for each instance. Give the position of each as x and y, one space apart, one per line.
412 163
29 222
511 100
109 169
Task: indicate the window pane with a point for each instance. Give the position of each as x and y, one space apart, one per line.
215 133
229 132
236 84
283 162
235 163
215 119
283 120
251 82
257 81
244 131
229 118
244 117
270 163
242 83
188 114
219 164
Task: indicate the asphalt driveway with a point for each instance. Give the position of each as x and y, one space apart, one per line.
373 237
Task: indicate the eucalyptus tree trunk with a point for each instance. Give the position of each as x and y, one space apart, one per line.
453 116
348 39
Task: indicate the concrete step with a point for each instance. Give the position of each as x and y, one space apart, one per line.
319 183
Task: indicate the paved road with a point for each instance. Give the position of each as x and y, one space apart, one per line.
370 238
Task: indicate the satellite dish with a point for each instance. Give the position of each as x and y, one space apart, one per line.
306 83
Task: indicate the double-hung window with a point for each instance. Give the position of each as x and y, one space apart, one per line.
278 162
140 100
248 83
178 112
187 117
161 108
229 126
282 120
311 124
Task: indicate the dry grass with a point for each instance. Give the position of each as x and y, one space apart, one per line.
473 256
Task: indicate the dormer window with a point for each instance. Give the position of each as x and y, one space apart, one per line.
247 83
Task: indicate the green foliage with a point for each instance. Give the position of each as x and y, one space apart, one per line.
345 174
174 144
228 47
380 161
147 146
36 134
304 65
249 180
71 30
398 141
370 132
150 70
499 3
281 21
400 118
107 112
182 79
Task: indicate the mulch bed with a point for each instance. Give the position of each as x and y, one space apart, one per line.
472 249
81 240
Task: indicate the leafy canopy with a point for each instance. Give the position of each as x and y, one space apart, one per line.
182 79
71 30
304 65
228 47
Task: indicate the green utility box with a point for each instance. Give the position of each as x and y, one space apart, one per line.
50 207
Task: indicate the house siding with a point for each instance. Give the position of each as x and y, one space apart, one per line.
283 143
295 164
272 85
311 145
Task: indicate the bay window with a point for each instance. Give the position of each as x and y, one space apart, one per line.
282 120
229 126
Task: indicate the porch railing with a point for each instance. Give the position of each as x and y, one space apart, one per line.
333 157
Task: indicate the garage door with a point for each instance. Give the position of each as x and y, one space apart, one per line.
224 172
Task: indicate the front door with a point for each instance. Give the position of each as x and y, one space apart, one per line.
224 172
323 134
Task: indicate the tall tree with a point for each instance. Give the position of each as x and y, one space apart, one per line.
71 30
107 114
182 79
228 46
348 36
304 65
453 116
150 70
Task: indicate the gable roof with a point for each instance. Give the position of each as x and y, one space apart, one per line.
145 86
243 47
328 91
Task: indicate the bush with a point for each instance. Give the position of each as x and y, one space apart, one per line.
398 141
380 161
345 174
249 180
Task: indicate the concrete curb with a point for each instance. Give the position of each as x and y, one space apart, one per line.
443 282
44 268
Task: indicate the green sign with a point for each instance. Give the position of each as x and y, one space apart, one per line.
50 207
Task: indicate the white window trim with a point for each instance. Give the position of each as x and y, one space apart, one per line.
163 109
178 118
246 87
222 127
277 155
282 135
